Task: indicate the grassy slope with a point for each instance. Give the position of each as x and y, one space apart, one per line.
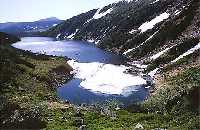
27 85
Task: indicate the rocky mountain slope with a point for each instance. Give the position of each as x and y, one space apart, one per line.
140 29
28 28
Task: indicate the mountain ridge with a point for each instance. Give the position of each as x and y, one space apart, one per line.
29 28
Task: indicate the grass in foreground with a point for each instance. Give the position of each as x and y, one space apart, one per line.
27 84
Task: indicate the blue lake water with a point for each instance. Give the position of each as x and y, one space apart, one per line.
82 52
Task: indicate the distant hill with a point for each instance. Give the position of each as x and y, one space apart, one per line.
28 28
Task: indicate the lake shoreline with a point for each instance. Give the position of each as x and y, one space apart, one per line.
94 69
28 80
51 113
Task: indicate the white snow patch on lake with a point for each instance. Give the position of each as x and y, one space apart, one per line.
190 51
149 25
99 15
106 78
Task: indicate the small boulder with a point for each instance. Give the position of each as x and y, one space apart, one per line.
139 127
82 127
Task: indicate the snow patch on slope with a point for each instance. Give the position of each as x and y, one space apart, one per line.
93 41
138 64
149 25
99 15
153 72
190 51
88 21
73 34
54 25
106 78
129 50
160 53
155 1
58 36
133 31
177 12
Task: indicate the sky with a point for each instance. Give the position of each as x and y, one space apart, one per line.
32 10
